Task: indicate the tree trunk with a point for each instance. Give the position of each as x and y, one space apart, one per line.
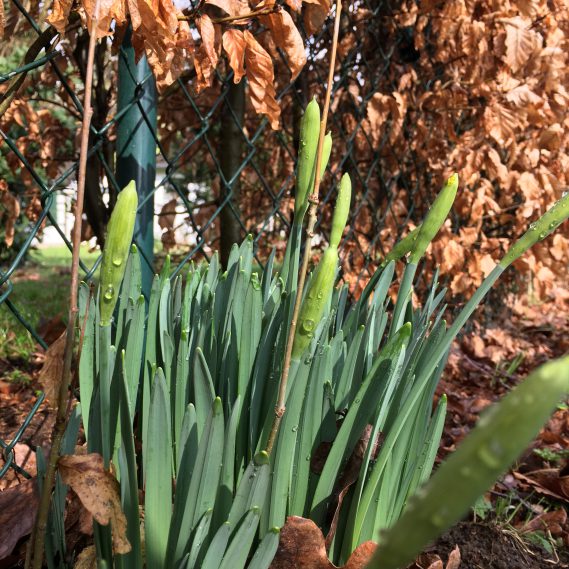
231 156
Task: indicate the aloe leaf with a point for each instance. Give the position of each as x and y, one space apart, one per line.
204 392
217 547
128 480
199 540
158 496
227 480
252 491
344 385
265 552
134 351
356 419
238 550
490 448
285 446
87 363
197 489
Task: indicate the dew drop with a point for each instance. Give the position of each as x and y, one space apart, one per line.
310 335
532 226
320 295
357 400
308 325
438 520
543 235
117 261
489 456
307 457
466 471
109 293
295 428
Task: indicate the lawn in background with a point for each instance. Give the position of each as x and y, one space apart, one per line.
40 293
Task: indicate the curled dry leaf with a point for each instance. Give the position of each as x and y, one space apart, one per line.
18 507
98 491
87 559
233 8
549 481
287 37
2 20
302 546
261 77
52 369
9 216
234 45
207 55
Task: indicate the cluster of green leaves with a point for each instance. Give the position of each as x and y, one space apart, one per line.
193 374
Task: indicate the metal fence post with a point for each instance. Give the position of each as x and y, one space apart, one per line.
136 147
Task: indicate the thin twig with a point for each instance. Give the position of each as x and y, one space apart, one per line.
38 536
313 200
228 19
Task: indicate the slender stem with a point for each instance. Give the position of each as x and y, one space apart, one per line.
38 535
228 19
313 200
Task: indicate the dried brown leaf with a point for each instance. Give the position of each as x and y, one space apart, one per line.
18 507
234 45
167 215
98 491
521 42
261 77
287 37
87 559
315 14
231 7
454 559
302 546
52 370
2 20
11 206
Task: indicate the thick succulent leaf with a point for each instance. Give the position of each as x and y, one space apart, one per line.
158 495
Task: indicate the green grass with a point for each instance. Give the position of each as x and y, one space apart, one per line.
41 292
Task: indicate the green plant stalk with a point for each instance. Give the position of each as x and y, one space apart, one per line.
493 445
313 200
435 218
322 283
115 254
539 230
402 247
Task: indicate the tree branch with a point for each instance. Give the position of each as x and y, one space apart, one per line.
313 200
38 535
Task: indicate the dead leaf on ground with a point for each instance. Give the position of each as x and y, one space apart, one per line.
87 559
98 491
18 506
553 522
52 369
433 561
302 546
550 481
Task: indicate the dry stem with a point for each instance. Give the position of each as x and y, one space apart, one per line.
313 200
38 536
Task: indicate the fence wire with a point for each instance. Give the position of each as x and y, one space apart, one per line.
213 169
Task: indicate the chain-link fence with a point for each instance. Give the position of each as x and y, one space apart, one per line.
208 168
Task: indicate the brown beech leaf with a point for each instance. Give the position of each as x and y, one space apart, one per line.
521 42
18 506
60 14
287 37
167 215
208 34
454 559
261 77
302 546
295 5
9 216
549 481
230 7
2 20
234 45
52 369
314 15
554 522
98 491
